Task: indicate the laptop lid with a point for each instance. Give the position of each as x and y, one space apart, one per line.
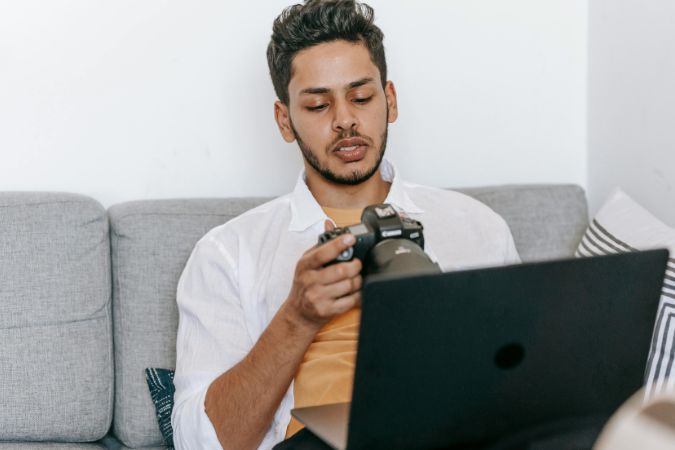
469 356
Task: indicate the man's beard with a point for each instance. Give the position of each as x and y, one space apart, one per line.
355 177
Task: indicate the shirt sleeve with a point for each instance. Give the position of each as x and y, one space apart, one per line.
511 255
212 337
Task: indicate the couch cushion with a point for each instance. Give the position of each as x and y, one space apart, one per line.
110 442
151 242
56 374
49 446
547 221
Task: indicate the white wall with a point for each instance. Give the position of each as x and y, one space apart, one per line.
128 100
632 103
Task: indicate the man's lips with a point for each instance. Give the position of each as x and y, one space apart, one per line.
350 144
351 149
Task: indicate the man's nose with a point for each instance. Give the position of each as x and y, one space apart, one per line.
344 117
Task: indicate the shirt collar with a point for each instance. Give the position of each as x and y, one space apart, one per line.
306 211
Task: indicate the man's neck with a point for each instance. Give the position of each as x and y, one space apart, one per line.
332 195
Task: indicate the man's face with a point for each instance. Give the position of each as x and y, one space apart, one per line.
338 111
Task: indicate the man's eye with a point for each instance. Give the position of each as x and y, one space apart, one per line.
362 100
317 108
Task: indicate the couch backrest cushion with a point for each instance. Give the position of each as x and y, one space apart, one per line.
56 369
151 242
547 220
50 446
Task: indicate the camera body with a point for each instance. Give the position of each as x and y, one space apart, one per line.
378 222
385 242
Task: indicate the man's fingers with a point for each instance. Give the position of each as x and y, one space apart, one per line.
345 303
340 271
319 256
342 288
331 290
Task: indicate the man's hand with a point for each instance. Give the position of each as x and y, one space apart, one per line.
320 293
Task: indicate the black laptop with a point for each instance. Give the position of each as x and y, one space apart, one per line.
454 359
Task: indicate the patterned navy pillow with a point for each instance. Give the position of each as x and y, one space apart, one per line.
160 383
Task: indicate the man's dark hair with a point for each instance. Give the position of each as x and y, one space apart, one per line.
317 21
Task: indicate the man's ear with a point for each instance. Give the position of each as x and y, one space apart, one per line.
390 94
283 118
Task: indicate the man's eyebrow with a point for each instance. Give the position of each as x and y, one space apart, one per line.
361 82
315 90
324 90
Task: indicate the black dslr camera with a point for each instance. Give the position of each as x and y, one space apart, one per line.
386 243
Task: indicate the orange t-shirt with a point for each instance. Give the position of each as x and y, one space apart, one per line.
326 373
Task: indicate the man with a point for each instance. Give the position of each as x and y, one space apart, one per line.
264 325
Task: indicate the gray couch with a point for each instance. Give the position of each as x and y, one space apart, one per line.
87 302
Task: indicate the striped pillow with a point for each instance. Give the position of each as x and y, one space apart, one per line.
622 225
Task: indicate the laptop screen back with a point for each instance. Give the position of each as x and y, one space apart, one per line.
469 356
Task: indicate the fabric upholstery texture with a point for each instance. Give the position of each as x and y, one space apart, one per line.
547 221
48 446
622 225
122 447
111 443
151 242
56 373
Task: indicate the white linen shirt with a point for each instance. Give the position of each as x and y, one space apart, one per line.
241 272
